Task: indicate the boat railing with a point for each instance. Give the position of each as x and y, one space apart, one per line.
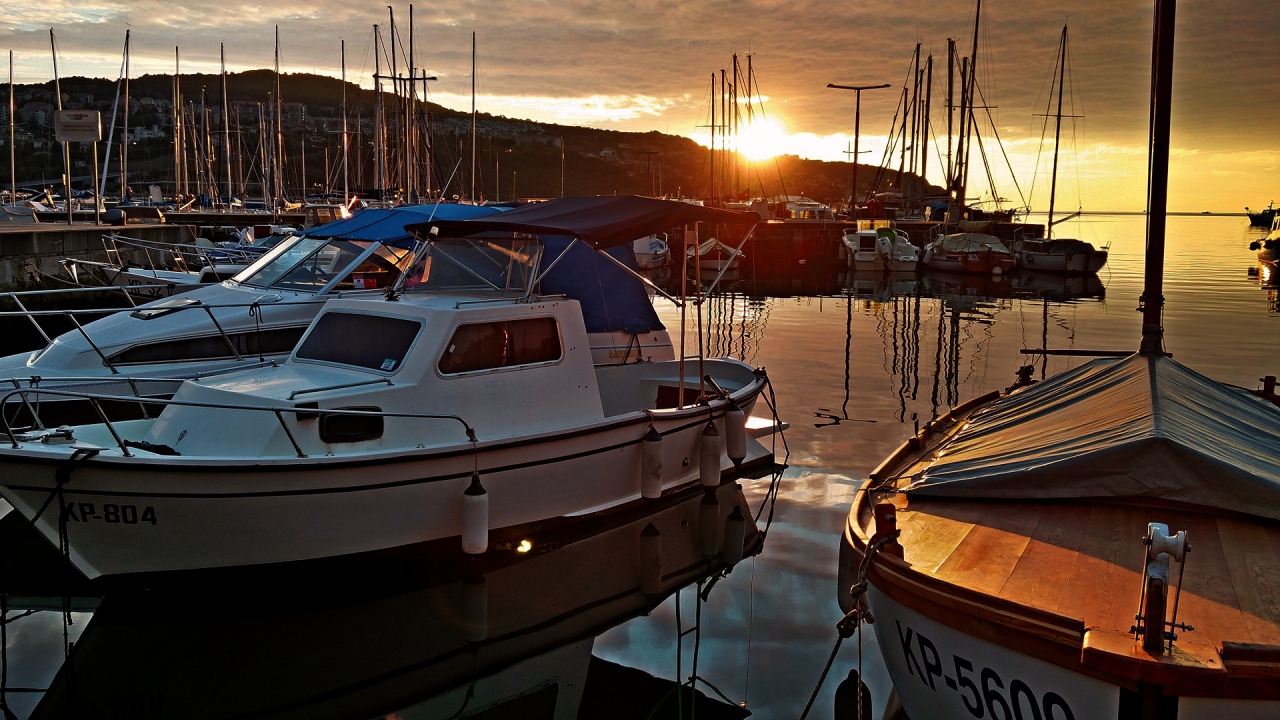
70 314
18 436
186 258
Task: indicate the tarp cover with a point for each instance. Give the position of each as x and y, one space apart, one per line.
1134 427
612 299
388 225
601 222
971 242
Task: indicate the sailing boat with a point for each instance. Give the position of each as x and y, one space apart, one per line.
1028 554
1073 257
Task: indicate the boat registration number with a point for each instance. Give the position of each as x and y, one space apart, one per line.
111 513
984 693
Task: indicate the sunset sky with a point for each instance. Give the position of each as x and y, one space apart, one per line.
646 66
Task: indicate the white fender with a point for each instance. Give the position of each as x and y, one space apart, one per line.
709 456
651 464
475 518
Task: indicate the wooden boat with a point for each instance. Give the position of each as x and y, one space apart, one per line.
968 252
1030 553
1023 562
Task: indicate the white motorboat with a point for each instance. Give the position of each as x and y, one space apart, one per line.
1068 257
1268 248
158 270
651 251
391 421
260 314
493 635
877 245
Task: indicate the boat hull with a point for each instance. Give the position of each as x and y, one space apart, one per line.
1086 263
982 262
940 672
142 515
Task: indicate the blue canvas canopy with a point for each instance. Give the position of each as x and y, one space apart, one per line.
388 225
612 299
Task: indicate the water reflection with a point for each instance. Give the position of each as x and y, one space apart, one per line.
507 634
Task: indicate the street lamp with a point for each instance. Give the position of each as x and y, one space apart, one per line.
857 128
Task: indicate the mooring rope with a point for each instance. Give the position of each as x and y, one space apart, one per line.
852 621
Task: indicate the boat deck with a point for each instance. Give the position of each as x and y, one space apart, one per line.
1061 579
1085 560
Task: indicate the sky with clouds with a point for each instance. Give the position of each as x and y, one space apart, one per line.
646 65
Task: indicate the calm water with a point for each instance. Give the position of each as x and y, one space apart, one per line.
853 360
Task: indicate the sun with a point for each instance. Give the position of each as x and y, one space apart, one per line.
762 139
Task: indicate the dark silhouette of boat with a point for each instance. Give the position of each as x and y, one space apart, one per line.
1262 218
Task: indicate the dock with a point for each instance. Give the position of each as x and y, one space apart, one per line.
28 250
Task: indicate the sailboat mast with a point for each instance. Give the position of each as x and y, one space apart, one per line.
410 141
1152 301
473 117
124 141
712 126
177 127
279 129
346 193
1057 132
379 159
951 90
66 146
13 158
226 120
968 109
924 125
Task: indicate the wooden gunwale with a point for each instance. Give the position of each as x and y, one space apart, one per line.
1252 671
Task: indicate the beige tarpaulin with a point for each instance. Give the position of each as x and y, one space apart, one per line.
1135 427
971 242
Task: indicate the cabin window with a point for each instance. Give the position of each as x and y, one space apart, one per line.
269 341
373 342
351 428
492 345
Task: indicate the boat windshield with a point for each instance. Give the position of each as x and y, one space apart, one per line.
505 265
309 264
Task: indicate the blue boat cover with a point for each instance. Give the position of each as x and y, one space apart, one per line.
612 299
387 225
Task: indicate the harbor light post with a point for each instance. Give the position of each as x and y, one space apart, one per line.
857 128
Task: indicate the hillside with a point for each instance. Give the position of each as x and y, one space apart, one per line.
527 154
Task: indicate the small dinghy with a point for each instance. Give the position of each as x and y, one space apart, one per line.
651 252
968 252
459 402
880 248
713 256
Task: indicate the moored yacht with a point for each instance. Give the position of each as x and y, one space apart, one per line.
968 253
879 245
397 416
259 315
